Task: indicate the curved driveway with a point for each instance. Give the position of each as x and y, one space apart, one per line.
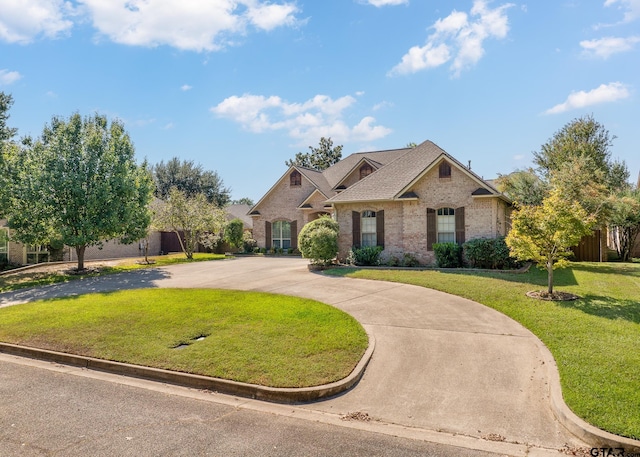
441 363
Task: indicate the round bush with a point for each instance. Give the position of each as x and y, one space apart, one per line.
318 241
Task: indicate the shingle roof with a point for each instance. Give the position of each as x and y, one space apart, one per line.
318 179
397 170
390 180
240 212
336 173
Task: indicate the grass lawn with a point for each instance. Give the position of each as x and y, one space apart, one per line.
33 278
258 338
595 340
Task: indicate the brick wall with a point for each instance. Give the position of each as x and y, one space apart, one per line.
282 204
406 221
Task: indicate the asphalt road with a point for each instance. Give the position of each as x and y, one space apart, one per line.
49 411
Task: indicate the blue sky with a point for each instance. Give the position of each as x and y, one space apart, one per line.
240 86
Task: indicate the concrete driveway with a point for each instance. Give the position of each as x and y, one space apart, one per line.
442 363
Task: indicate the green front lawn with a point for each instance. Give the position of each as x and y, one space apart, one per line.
34 278
258 338
595 340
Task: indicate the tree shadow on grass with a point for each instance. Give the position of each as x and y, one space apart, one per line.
536 277
617 268
138 279
607 307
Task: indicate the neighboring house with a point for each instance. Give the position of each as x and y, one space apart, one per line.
404 200
240 212
21 254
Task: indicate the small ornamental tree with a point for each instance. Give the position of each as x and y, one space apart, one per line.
318 241
197 220
546 233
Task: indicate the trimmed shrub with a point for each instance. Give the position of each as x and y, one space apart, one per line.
409 260
234 233
365 256
318 241
448 255
489 253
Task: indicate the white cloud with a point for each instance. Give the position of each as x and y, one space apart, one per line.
459 36
9 77
306 121
631 8
518 157
379 3
605 47
268 16
193 25
185 87
602 94
382 105
143 122
22 21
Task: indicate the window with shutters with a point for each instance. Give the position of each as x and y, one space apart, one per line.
281 234
446 225
369 234
295 179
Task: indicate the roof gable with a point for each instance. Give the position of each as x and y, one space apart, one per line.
390 180
304 172
395 180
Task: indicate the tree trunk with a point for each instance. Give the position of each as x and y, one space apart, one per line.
80 253
550 277
146 251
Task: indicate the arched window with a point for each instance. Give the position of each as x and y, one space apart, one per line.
295 179
445 170
446 223
365 170
369 235
281 234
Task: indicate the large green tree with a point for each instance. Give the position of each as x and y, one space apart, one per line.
624 222
586 143
190 178
524 187
79 183
7 148
319 158
192 218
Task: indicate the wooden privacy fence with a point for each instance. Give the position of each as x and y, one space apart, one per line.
590 248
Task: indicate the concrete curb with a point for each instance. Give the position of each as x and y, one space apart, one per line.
272 394
586 432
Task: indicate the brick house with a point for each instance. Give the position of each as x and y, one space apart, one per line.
403 199
20 254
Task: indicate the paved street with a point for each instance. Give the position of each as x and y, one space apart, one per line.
445 369
48 413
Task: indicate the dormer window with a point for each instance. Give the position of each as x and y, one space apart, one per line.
445 170
365 170
295 179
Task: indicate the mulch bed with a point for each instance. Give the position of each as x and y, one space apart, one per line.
555 296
